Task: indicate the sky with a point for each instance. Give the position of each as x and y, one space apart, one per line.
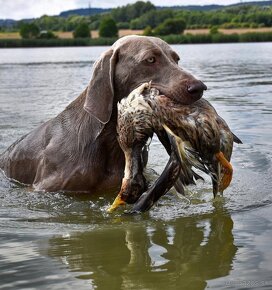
20 9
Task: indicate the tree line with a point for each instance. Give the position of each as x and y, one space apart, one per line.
154 21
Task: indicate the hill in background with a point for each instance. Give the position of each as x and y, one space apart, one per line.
93 11
84 12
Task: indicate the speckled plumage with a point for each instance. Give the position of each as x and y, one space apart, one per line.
198 123
144 112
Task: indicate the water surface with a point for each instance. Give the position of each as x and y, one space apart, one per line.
55 241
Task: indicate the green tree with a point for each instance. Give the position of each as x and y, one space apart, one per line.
108 28
123 25
170 26
148 31
151 18
51 23
214 30
71 23
131 11
29 30
95 25
47 35
82 31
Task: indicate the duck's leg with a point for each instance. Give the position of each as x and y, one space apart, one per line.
227 169
134 182
167 179
166 142
215 186
160 187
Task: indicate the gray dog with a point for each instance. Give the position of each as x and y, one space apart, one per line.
78 149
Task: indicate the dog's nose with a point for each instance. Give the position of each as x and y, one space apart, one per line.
196 88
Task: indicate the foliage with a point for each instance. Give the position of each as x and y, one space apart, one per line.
82 31
47 35
108 28
74 21
56 42
171 39
170 26
123 25
49 23
152 18
29 30
142 14
131 11
214 30
148 31
218 38
55 23
225 38
95 25
235 15
255 37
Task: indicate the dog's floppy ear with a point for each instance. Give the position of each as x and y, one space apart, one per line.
100 92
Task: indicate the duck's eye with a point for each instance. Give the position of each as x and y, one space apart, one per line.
151 59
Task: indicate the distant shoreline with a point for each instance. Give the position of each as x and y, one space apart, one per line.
124 32
190 37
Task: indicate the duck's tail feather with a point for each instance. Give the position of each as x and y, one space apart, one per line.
197 176
179 186
196 161
188 157
236 139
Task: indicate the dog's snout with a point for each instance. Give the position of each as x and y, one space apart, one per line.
196 88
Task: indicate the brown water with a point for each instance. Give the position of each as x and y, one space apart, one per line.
53 241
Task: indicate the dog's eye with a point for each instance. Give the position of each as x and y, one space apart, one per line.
151 59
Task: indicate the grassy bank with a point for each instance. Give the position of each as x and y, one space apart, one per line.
124 32
218 38
9 43
172 39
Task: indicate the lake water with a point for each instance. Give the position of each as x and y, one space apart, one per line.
53 241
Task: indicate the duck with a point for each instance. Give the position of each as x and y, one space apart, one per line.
194 135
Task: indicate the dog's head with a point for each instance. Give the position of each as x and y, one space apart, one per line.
131 61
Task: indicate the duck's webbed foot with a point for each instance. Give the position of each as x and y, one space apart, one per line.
226 169
131 190
117 202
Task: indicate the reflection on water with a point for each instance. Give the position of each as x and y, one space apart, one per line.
183 253
57 241
22 266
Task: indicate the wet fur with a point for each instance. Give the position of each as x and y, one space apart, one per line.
78 149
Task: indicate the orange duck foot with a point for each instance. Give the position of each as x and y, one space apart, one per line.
227 171
117 202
